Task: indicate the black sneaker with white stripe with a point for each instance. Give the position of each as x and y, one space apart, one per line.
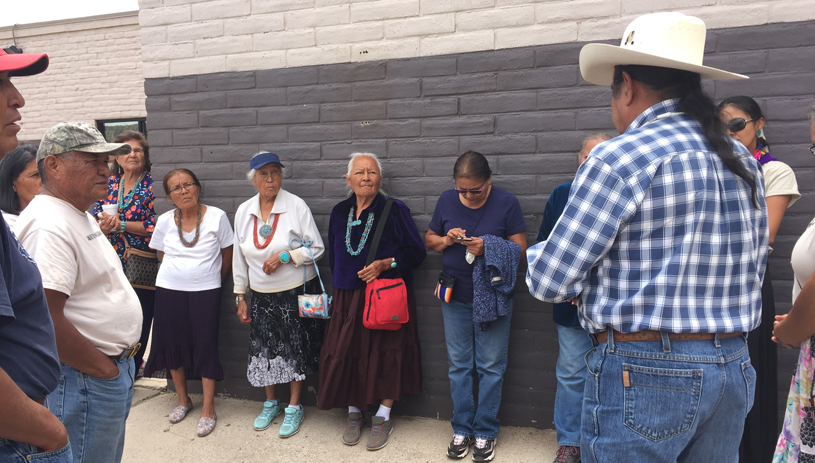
459 446
484 450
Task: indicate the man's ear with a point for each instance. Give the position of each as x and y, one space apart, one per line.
629 89
52 166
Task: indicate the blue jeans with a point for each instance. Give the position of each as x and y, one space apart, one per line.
666 401
94 411
13 452
472 352
573 342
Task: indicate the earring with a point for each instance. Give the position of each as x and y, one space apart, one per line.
758 133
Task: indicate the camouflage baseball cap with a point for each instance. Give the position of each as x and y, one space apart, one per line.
77 136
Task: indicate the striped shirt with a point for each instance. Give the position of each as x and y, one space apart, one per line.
658 234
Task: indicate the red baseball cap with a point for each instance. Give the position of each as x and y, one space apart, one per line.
22 64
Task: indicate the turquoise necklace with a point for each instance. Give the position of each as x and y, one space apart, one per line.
125 200
352 223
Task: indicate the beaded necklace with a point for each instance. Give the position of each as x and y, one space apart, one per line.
266 232
125 200
192 243
351 223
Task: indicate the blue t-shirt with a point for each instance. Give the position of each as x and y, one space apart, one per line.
499 216
28 348
563 313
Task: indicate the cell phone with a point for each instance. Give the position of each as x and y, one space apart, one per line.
464 238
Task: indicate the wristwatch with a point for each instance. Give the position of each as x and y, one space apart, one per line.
393 262
284 257
238 299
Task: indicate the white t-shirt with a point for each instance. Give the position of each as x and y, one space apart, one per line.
295 221
10 219
76 259
779 180
197 268
803 259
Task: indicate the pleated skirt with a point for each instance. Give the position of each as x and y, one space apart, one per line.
361 367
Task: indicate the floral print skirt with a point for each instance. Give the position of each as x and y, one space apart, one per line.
282 346
796 444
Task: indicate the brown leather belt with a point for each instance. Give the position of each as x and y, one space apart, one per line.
130 352
651 335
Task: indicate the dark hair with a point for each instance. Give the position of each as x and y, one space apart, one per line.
180 171
10 169
129 135
746 105
472 165
687 86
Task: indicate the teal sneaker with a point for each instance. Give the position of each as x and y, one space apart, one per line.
270 411
292 421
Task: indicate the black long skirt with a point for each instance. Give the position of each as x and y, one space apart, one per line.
361 367
185 334
282 346
761 427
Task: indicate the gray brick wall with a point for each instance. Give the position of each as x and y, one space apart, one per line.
527 109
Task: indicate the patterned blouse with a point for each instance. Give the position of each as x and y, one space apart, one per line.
139 208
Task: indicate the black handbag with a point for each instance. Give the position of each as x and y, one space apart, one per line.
142 268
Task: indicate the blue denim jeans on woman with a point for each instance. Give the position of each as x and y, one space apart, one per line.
94 411
573 343
472 352
19 452
666 401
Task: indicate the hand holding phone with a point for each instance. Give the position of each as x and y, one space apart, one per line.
464 238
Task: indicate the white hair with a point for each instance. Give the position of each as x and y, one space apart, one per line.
351 160
251 174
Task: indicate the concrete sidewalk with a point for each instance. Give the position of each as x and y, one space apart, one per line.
151 438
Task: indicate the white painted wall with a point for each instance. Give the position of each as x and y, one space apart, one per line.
184 37
95 71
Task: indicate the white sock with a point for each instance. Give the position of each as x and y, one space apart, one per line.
353 409
384 412
296 407
274 401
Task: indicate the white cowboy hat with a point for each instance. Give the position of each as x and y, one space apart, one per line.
668 40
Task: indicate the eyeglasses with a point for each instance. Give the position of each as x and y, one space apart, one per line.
137 151
738 124
474 191
265 176
183 186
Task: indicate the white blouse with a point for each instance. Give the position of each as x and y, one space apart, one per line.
295 221
803 259
197 268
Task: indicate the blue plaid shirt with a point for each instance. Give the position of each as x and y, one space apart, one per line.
658 234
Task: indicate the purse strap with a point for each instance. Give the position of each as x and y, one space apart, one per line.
307 245
380 227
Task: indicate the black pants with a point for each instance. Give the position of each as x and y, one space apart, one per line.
147 298
761 427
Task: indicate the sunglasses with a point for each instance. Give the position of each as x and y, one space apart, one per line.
738 124
475 191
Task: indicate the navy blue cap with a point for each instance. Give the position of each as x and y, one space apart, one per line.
261 159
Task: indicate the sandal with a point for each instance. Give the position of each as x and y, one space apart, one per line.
206 425
180 412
